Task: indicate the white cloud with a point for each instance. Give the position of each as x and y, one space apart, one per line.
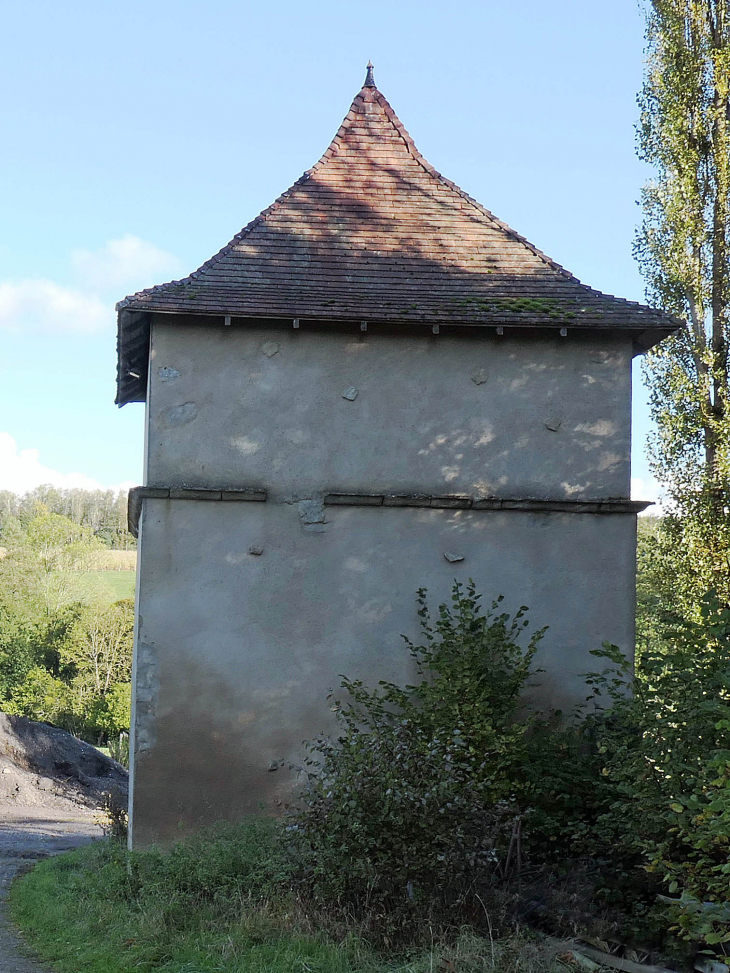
32 306
128 264
21 470
648 489
120 267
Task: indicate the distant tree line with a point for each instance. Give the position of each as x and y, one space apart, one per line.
103 511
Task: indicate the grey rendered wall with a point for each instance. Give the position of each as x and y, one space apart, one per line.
231 406
236 650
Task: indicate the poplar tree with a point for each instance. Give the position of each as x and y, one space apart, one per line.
684 253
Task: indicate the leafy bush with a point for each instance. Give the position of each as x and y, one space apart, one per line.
69 665
666 746
433 793
41 696
436 790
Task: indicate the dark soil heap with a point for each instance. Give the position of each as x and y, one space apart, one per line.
43 765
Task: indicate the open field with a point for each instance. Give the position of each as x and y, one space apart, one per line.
109 560
110 586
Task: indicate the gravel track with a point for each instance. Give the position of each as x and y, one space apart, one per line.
28 834
52 787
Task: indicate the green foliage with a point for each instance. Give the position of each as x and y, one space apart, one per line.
113 717
91 695
65 656
17 650
58 541
666 746
682 247
42 697
676 562
436 789
435 793
98 647
654 583
678 557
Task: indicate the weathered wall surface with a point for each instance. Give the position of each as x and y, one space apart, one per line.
481 416
237 650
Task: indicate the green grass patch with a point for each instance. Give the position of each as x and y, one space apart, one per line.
218 902
109 586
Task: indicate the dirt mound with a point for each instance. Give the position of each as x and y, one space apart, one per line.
40 764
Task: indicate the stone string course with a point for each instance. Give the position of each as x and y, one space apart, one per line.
447 502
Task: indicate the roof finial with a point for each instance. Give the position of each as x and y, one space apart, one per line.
369 82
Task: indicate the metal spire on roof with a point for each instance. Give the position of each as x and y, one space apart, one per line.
369 82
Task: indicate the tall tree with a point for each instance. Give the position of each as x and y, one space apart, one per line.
683 248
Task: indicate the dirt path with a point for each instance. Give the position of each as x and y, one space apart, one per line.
26 835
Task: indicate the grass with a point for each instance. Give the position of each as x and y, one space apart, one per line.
109 586
216 903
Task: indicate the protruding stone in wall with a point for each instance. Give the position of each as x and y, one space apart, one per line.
452 502
179 415
311 515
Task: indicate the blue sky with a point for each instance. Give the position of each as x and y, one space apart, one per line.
139 137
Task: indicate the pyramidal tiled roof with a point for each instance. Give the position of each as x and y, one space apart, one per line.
373 232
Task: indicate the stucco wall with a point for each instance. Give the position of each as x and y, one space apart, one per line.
547 418
236 650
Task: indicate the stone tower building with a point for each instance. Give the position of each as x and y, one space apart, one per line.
375 386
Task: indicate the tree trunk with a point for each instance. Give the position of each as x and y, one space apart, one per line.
716 19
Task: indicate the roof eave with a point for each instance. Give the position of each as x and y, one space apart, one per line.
133 347
646 340
133 335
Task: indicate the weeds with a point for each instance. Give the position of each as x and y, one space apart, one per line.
119 749
114 817
210 905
